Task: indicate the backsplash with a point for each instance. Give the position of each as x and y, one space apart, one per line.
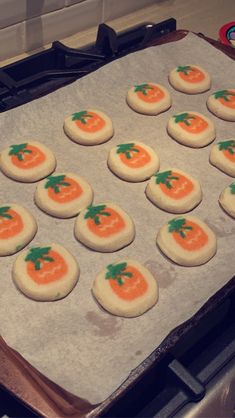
29 24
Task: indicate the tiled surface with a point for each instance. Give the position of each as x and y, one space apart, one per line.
59 24
15 11
116 8
12 39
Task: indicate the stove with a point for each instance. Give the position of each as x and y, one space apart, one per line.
192 373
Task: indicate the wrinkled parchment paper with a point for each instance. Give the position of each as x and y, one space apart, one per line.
73 341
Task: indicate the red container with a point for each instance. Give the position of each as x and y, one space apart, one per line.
227 34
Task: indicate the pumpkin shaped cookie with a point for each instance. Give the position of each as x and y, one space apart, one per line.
222 156
190 79
126 288
133 161
191 129
222 104
187 241
174 190
89 127
27 162
149 98
227 199
17 228
105 227
63 194
46 272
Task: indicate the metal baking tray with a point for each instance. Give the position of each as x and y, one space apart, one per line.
17 376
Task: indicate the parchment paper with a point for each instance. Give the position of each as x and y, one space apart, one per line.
73 341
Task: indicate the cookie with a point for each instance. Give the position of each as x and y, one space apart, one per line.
27 162
174 190
149 98
222 104
17 228
134 161
45 273
63 195
105 227
191 129
190 79
187 241
227 199
222 156
126 288
89 127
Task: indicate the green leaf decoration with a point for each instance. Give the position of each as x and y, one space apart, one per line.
178 225
117 272
19 150
224 94
94 212
184 118
37 255
126 148
56 182
81 116
228 146
184 69
165 177
143 88
3 212
232 188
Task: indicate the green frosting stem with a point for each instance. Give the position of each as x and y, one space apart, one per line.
117 272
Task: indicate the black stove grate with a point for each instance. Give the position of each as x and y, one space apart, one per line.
53 68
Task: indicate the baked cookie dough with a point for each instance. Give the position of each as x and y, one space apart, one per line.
149 98
227 199
45 273
17 228
134 161
27 162
187 241
89 127
126 288
63 195
222 104
174 190
190 79
191 129
105 227
222 156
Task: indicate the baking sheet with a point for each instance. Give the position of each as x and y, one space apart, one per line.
73 341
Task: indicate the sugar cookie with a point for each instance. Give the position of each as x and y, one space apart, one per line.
63 195
17 228
45 273
27 162
104 228
227 199
134 161
222 104
187 241
174 190
126 289
190 79
89 127
149 98
222 156
191 129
